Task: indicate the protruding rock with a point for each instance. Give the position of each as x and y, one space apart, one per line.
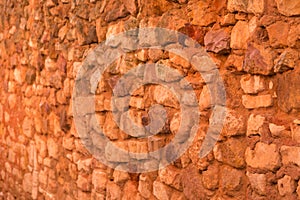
258 60
286 185
116 13
276 130
171 177
27 127
217 41
234 124
258 182
84 183
286 61
145 186
210 178
113 191
27 183
288 91
288 7
161 191
298 189
295 132
237 5
262 101
86 34
256 6
255 123
290 155
240 35
278 33
264 156
231 152
252 84
231 179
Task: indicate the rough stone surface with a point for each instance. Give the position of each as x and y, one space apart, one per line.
254 45
263 156
234 124
278 33
237 5
298 189
288 91
210 177
275 129
99 180
286 185
217 41
258 60
286 61
262 101
255 123
256 6
295 132
252 84
240 35
288 8
258 183
231 179
161 191
231 152
290 155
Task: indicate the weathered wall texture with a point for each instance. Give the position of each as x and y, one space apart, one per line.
254 43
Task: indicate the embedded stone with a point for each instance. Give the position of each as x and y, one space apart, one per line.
288 7
27 183
294 35
217 41
262 101
252 84
99 180
290 155
258 60
86 34
113 191
192 183
263 156
288 91
201 15
171 177
83 183
120 176
255 125
286 185
231 179
28 127
210 178
145 185
53 148
234 124
30 76
286 61
231 152
161 191
237 5
295 132
256 6
276 130
240 35
130 191
114 14
258 183
278 33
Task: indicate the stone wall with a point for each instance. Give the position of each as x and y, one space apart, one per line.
255 45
